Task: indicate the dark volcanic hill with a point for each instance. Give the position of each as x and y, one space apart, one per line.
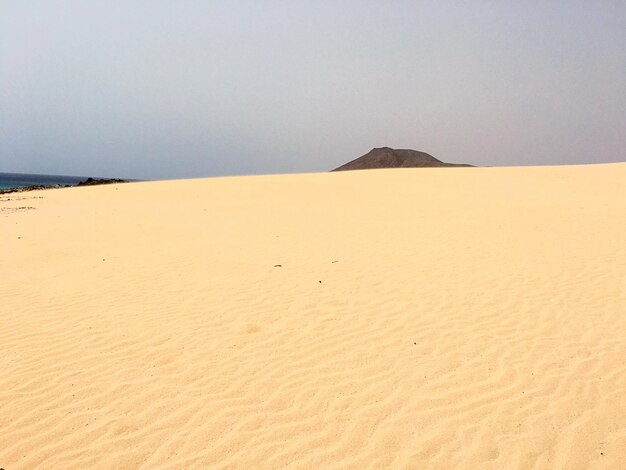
386 157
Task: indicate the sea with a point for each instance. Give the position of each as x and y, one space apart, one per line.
16 180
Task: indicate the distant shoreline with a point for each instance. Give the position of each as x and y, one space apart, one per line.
21 182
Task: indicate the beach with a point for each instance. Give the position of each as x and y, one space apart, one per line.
402 318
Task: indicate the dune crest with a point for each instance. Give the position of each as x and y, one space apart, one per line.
467 318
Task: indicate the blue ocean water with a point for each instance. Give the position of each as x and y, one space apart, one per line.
15 180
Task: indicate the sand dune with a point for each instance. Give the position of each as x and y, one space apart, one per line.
419 318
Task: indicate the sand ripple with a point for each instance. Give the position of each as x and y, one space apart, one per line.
444 318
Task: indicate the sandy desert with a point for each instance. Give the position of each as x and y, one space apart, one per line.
414 318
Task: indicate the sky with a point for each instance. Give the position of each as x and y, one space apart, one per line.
153 89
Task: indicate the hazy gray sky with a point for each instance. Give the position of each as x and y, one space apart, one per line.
163 89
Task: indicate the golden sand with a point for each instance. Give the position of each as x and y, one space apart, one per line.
418 318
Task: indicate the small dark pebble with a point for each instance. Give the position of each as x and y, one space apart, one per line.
103 259
335 261
601 453
278 265
414 343
320 282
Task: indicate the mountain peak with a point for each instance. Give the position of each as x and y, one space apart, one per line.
386 157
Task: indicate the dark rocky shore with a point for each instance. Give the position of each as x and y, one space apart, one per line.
95 181
87 182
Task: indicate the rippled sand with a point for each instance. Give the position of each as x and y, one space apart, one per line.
416 318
